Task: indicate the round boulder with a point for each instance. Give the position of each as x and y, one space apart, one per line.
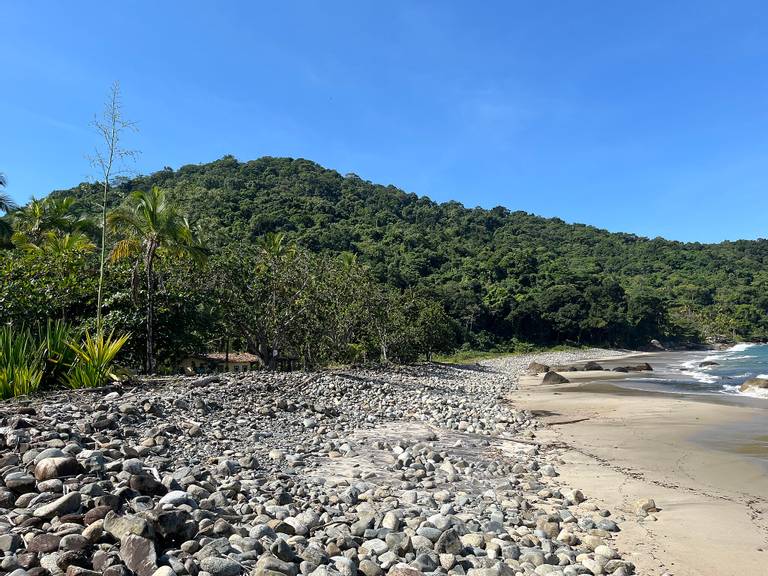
537 368
754 384
554 378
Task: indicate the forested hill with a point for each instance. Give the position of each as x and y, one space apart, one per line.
503 275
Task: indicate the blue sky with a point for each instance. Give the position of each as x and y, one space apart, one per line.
645 117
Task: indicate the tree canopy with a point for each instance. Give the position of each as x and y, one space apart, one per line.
500 275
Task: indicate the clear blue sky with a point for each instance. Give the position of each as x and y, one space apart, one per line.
645 117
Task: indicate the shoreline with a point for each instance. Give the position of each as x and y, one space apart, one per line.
623 444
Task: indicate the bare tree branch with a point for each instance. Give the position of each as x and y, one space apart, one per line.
109 158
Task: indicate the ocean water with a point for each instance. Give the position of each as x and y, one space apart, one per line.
682 371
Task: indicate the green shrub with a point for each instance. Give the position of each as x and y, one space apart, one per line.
58 354
21 362
94 360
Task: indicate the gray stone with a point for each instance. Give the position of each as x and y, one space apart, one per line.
220 566
138 554
449 543
121 526
66 504
10 543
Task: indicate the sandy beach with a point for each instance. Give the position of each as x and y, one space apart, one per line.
703 462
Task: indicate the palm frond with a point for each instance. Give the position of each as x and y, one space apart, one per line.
124 218
125 248
57 243
6 204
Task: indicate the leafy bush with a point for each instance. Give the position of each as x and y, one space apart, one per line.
59 356
21 362
94 362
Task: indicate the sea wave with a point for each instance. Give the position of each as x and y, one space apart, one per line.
701 376
710 358
694 369
752 392
741 347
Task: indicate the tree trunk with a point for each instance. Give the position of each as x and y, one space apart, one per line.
150 258
103 254
383 344
272 359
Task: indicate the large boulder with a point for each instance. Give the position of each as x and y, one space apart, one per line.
537 368
589 366
566 368
554 378
644 367
644 506
754 384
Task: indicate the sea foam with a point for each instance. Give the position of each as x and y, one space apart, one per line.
740 347
701 376
752 392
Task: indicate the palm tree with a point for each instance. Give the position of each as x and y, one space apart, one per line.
39 217
61 244
152 228
6 205
273 244
29 222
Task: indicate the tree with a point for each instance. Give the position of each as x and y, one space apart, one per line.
341 310
59 244
107 158
435 330
6 205
152 228
282 284
33 222
282 300
39 284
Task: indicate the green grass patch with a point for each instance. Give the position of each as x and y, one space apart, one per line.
470 356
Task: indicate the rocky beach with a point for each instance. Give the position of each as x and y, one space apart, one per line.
426 469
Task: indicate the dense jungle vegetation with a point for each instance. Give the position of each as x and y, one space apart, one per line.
501 275
327 268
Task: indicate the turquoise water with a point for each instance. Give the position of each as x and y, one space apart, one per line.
682 371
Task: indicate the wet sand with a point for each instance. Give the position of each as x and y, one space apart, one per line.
703 460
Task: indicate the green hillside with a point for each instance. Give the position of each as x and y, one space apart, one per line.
502 275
